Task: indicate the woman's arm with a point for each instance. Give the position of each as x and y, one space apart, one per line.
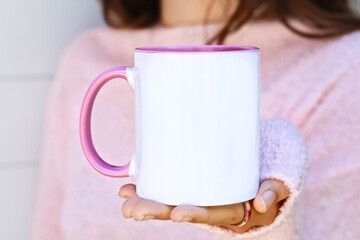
52 173
50 178
283 163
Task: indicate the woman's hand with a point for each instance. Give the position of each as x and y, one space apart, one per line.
264 208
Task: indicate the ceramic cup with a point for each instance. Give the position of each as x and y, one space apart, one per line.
197 124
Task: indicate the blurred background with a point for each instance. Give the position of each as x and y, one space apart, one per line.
33 35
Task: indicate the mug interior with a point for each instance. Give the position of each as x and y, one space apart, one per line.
197 49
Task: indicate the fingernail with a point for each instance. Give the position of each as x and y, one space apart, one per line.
268 198
129 216
147 218
121 194
141 218
184 219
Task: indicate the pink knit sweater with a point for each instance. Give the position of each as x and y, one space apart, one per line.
313 84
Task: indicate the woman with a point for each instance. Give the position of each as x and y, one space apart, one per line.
310 76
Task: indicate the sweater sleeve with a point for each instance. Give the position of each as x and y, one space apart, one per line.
52 175
50 179
283 156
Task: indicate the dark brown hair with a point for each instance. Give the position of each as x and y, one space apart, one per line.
327 18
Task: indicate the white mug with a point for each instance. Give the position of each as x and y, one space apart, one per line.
197 124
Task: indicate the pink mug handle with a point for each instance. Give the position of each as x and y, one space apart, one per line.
85 123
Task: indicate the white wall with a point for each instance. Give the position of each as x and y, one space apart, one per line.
33 34
356 5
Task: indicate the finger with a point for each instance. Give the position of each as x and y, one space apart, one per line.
257 219
127 190
128 205
263 219
148 209
271 191
220 215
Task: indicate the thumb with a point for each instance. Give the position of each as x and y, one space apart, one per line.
271 191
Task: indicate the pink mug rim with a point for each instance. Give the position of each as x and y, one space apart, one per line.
197 49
